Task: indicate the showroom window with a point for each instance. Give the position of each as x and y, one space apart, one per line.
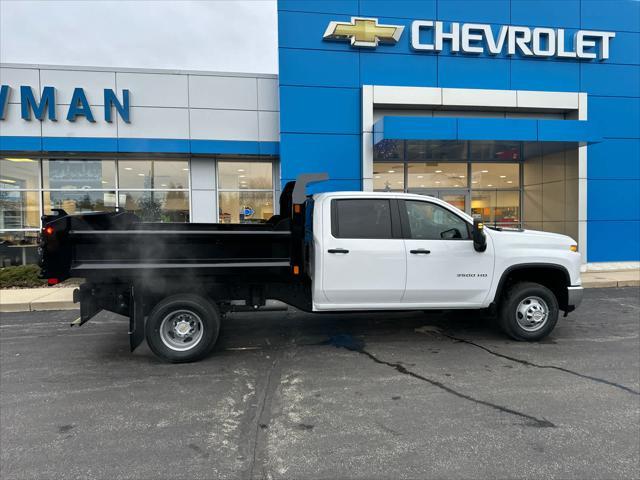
495 193
481 178
155 205
388 177
155 189
436 175
19 210
153 174
78 185
434 151
245 191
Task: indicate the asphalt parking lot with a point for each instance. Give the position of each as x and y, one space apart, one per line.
291 395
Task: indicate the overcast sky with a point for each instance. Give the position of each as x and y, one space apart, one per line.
214 35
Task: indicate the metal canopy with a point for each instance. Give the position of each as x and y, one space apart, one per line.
454 128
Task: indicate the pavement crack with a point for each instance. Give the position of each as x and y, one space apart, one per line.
537 365
262 419
393 432
617 301
530 420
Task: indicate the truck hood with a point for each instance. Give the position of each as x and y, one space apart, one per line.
533 237
513 247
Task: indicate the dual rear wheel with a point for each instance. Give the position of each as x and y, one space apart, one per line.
183 328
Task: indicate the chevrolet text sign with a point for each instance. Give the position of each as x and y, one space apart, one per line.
530 42
475 38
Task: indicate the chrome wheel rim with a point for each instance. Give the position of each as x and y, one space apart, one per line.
532 314
181 330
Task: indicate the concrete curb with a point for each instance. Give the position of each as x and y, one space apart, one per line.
42 299
37 307
37 299
44 306
611 284
604 279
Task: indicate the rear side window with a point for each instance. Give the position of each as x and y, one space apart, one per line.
361 218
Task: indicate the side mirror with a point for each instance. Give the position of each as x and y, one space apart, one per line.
479 238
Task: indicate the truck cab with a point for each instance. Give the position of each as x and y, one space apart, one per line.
385 251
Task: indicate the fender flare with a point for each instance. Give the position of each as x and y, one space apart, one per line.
521 266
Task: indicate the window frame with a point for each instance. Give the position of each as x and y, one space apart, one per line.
406 226
394 211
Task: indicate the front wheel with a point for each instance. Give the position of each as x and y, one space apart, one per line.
529 312
182 328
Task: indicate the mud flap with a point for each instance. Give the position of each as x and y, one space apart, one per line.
88 304
136 318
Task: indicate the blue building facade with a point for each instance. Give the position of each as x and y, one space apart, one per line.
326 85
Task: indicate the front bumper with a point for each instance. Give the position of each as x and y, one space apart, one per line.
574 296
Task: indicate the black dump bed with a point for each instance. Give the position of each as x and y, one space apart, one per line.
118 245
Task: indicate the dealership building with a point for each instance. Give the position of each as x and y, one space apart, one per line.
525 113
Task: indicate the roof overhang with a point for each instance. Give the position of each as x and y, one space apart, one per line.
454 128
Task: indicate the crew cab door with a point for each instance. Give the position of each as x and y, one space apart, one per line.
364 260
443 269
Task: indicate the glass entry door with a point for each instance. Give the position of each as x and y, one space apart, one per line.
458 198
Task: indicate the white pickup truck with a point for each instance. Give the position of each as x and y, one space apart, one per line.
341 251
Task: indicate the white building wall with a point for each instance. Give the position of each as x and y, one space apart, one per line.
164 104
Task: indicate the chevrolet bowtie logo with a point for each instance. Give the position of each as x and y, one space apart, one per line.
363 32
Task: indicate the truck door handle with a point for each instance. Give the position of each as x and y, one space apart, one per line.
337 250
420 251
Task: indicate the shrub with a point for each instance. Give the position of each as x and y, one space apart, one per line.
24 276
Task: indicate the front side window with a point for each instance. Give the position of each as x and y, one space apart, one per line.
361 218
428 221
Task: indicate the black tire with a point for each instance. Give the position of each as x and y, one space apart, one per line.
183 308
509 312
